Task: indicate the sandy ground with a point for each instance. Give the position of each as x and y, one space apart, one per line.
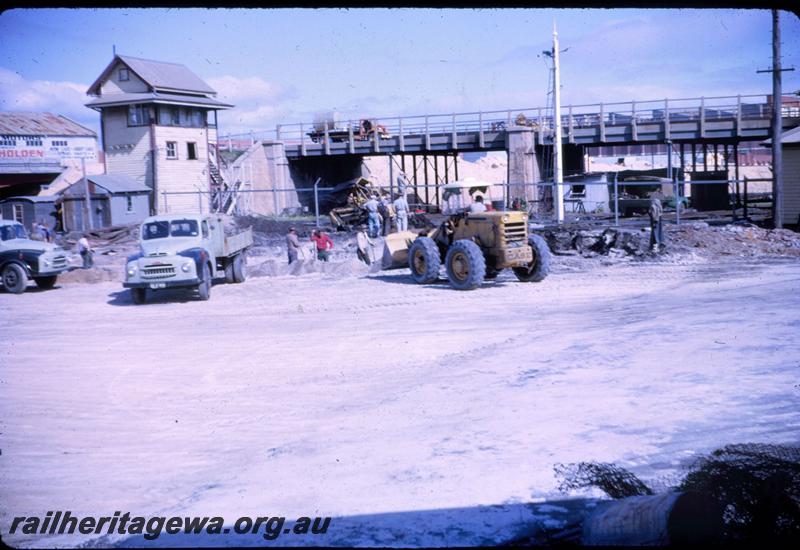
416 415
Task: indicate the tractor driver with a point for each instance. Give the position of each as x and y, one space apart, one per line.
477 206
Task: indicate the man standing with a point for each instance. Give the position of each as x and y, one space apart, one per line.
401 211
292 245
373 217
402 184
85 250
477 206
386 211
655 212
362 242
324 244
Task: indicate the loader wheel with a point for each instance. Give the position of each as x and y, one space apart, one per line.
139 295
424 260
538 269
466 266
15 279
239 268
204 288
46 283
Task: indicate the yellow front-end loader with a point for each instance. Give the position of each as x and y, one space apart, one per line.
473 246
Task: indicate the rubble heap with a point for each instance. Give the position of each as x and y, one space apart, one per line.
696 238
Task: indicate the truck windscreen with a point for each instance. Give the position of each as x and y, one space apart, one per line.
183 228
14 231
173 228
155 230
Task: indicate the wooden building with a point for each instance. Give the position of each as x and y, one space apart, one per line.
116 199
159 127
29 210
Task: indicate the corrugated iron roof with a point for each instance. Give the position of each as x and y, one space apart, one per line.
173 76
112 183
31 198
788 137
39 124
157 74
152 97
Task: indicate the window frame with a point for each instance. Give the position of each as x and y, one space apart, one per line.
171 146
137 107
19 213
191 150
124 71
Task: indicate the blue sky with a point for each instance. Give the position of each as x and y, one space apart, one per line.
282 65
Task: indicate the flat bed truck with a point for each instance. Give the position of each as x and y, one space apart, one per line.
185 251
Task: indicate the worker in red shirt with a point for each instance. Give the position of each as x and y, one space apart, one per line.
324 244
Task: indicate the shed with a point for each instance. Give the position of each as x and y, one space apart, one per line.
790 141
27 210
116 199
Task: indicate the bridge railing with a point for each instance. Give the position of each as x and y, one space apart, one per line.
661 111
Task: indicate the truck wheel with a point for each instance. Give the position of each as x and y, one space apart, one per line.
15 279
466 266
424 260
204 288
239 268
538 269
229 277
46 283
138 295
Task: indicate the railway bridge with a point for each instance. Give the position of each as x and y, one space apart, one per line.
334 150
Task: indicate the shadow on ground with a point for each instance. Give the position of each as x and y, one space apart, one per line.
440 284
169 295
472 526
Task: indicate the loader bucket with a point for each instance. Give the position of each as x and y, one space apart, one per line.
395 249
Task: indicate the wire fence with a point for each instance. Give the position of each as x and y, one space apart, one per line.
582 200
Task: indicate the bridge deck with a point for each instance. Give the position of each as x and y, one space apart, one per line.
722 120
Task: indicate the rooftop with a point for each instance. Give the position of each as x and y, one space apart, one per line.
48 124
155 97
110 183
159 75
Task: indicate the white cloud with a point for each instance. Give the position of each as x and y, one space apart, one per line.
59 97
249 91
258 104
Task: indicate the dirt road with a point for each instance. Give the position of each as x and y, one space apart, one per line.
320 396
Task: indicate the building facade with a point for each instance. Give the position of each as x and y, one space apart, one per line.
42 153
159 127
113 199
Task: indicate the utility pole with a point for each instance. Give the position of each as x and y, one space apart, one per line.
777 107
87 197
777 126
558 172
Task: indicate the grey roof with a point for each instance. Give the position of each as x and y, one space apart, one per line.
789 137
32 198
38 124
111 183
153 97
159 75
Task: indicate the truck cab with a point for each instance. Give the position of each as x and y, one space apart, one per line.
22 259
185 251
